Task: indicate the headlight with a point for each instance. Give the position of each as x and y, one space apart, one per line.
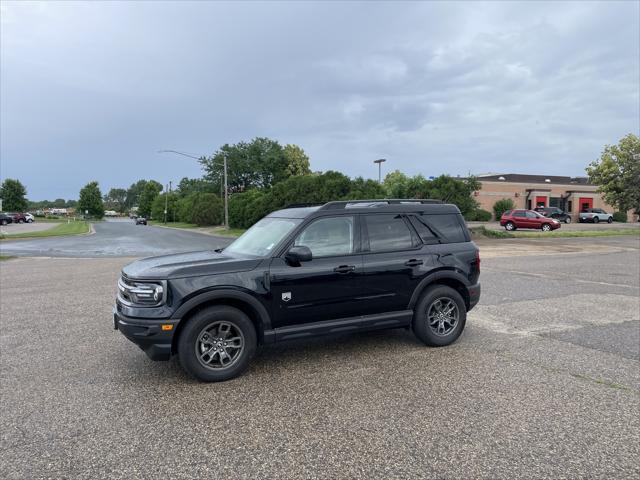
146 294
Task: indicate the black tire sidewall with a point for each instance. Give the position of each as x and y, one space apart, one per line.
419 324
596 220
188 337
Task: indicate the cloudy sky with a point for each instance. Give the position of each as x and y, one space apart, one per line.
94 90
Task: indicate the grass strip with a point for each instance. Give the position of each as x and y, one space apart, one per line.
62 229
490 233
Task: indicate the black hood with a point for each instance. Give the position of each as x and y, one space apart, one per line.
189 264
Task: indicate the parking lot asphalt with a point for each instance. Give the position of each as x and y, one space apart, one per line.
544 383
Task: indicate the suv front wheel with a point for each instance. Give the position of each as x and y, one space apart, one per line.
217 344
440 316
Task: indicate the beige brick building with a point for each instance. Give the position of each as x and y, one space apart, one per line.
571 194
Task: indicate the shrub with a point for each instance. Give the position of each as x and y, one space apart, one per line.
502 206
207 209
478 215
620 217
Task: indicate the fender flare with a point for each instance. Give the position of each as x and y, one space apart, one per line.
223 294
434 277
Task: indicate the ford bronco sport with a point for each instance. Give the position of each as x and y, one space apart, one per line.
344 266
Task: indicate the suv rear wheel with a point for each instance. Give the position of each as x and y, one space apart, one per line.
217 344
440 316
510 226
596 219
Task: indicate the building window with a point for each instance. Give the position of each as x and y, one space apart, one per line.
555 202
569 206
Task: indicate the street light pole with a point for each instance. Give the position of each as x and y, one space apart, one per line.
380 161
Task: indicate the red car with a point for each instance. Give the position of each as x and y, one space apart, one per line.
18 217
513 219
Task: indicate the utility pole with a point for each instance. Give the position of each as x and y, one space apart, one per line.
226 194
166 203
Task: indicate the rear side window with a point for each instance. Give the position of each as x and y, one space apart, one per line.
519 214
439 228
388 233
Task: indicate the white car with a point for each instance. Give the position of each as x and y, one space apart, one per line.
595 215
30 218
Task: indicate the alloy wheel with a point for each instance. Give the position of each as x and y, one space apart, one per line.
443 316
219 345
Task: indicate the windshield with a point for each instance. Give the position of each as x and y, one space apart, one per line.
260 239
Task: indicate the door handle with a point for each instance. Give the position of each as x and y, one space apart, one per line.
414 262
344 269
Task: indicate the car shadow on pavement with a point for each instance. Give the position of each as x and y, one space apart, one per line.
304 356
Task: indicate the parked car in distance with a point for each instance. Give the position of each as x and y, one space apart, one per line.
514 219
17 217
141 221
555 212
30 217
595 215
346 266
5 219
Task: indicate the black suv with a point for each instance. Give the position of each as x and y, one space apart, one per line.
300 272
555 212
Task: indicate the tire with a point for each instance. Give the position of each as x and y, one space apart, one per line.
596 219
21 221
29 221
204 332
3 222
510 226
610 220
425 329
546 227
567 220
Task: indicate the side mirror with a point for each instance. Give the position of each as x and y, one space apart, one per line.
298 254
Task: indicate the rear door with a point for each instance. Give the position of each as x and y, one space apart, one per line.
520 218
325 287
394 262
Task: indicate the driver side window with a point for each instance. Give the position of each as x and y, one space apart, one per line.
328 237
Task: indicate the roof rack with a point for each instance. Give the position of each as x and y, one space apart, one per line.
376 202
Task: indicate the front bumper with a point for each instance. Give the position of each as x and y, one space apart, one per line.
147 334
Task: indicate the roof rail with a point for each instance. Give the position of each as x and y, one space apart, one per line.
342 204
302 205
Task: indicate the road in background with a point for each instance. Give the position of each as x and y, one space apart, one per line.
544 383
116 238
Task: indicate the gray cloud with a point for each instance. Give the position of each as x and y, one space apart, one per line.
93 90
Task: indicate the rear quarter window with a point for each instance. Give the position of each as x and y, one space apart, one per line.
447 228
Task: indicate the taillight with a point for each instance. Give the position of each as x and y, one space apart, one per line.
477 261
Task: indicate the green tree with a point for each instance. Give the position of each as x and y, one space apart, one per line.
149 193
260 163
297 161
206 209
170 200
90 200
116 199
135 190
502 206
617 174
187 186
13 194
455 190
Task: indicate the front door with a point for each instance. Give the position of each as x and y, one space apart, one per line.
325 287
